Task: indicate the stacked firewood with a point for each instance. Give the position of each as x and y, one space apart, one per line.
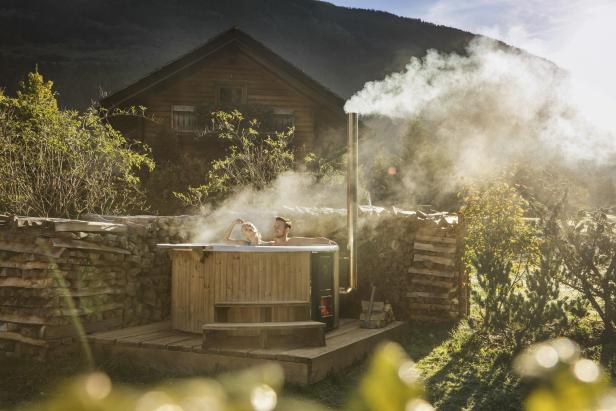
57 273
437 288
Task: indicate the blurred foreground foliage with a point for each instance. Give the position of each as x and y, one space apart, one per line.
62 163
558 376
391 383
563 380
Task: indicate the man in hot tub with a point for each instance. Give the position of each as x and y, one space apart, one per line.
282 226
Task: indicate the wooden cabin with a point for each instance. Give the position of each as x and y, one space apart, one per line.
232 70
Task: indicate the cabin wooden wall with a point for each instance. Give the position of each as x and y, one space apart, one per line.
232 66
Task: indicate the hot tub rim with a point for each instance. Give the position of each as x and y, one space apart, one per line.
230 248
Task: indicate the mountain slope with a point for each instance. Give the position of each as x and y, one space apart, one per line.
86 46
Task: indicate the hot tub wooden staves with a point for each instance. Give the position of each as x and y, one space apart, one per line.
226 284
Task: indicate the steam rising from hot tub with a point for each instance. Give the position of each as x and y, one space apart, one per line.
292 189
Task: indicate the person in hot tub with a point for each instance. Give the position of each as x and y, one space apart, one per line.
249 231
282 226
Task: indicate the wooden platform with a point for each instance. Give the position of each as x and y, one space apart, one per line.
264 335
159 346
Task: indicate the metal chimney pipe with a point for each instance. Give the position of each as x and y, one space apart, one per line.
352 178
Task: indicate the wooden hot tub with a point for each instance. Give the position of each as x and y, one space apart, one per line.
219 283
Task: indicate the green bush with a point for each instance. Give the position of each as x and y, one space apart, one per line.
499 248
516 267
63 163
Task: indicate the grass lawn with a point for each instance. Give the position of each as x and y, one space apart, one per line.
460 372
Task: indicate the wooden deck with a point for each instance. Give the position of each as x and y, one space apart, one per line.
159 346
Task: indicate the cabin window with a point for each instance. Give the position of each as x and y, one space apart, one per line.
230 95
282 119
281 122
183 118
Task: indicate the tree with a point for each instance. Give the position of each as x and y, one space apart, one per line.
499 248
63 163
588 247
517 266
253 159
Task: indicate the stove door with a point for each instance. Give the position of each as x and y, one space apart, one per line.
322 288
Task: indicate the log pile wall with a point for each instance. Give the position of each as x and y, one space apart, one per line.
103 275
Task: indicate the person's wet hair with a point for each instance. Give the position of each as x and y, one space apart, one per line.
249 224
286 222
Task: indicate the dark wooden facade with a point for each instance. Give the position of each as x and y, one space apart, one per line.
230 70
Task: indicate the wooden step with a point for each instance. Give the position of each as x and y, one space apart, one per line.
260 303
264 335
264 326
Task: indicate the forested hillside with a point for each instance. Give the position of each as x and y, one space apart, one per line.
88 47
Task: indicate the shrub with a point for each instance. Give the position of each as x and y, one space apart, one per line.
516 266
63 163
540 310
499 248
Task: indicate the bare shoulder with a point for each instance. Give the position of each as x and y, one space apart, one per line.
296 241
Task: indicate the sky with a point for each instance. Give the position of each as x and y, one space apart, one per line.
577 35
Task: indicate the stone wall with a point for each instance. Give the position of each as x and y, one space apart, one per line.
107 273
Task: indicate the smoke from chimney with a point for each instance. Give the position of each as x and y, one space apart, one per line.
479 115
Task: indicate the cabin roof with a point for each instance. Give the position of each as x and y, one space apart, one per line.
255 49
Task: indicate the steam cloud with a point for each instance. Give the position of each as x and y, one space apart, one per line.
478 115
486 111
291 190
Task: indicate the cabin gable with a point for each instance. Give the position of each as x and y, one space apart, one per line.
232 71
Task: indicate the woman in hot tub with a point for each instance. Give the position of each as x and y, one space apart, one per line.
249 231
